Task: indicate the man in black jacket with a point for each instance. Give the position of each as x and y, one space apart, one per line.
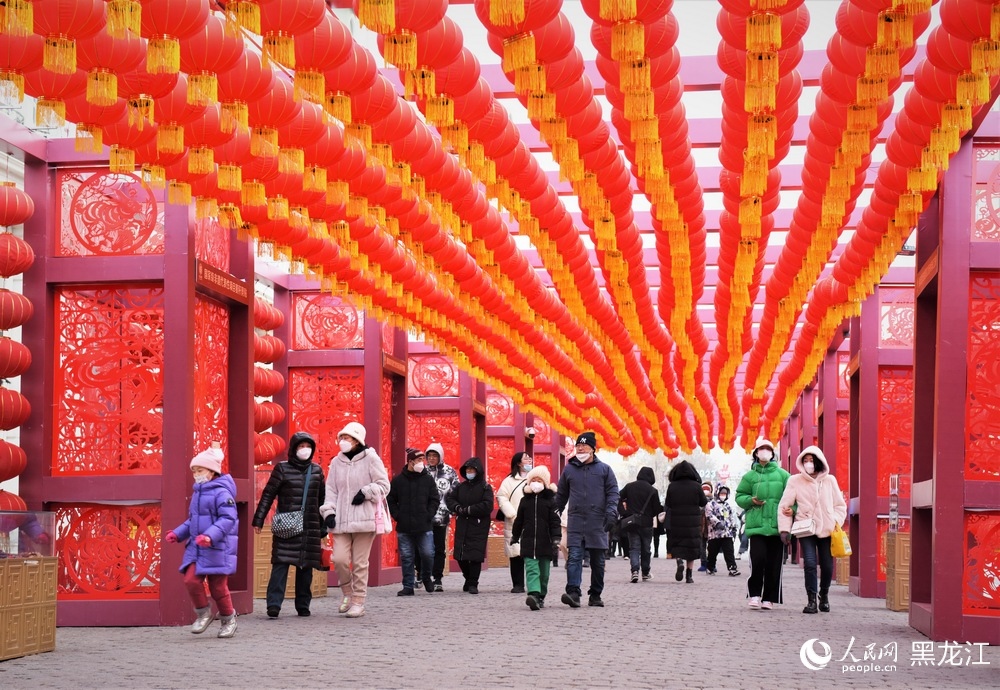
413 500
640 498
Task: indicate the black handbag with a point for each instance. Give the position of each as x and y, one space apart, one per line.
292 524
633 522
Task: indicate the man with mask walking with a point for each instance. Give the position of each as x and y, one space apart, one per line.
446 479
589 488
413 501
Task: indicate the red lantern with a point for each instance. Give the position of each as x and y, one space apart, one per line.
267 349
205 54
322 48
13 460
281 21
537 13
52 91
16 255
15 309
266 414
18 56
104 58
15 205
12 502
266 382
164 24
15 358
61 22
14 409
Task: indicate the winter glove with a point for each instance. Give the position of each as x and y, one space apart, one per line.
358 499
203 540
609 522
785 538
330 522
462 510
171 538
555 546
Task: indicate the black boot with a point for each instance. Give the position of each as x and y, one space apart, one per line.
824 601
690 576
680 570
811 606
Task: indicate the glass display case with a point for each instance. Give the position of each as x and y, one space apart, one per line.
27 534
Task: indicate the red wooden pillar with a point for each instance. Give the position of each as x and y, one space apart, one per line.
881 426
145 322
832 411
956 474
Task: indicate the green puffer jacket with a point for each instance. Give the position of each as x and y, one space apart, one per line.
766 482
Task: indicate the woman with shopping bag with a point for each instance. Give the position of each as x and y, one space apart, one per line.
812 507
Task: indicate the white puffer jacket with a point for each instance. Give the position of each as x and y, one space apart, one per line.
816 497
364 472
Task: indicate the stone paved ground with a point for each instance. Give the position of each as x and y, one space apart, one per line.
651 635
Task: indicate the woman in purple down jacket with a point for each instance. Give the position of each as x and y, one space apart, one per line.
211 535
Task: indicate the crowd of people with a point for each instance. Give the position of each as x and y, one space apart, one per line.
331 519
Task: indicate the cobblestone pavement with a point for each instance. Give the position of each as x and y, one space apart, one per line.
653 634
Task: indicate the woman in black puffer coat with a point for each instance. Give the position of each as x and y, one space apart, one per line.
472 502
304 551
685 501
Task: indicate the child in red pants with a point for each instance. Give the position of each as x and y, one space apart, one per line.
211 533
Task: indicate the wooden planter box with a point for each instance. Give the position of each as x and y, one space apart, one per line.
495 556
262 569
843 571
27 606
897 571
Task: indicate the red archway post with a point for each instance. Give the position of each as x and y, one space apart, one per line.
955 492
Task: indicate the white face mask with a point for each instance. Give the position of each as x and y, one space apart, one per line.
764 456
526 467
304 453
537 487
418 467
808 467
583 457
346 446
470 475
202 477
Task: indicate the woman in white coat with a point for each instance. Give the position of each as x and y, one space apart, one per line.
356 483
509 497
813 494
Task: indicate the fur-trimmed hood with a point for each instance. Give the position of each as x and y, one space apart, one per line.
542 474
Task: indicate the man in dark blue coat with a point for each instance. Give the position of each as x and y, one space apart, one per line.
591 490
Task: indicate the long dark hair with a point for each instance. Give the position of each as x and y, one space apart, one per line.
515 462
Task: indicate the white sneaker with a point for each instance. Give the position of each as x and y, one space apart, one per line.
356 611
766 605
344 605
755 602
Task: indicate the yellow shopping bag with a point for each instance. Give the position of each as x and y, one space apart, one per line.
840 543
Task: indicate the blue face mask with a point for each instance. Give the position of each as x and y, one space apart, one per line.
470 475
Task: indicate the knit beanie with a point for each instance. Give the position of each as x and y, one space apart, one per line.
210 459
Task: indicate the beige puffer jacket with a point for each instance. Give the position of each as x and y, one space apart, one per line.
816 497
364 472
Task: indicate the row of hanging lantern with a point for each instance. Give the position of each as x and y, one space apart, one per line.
16 257
951 85
451 91
760 49
640 64
267 382
866 59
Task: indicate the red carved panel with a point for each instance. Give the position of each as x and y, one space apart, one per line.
321 321
388 339
499 409
211 375
107 214
843 378
323 400
108 552
896 317
108 381
431 376
211 243
844 452
895 428
386 422
981 581
543 432
542 459
390 549
499 451
986 194
425 428
883 528
982 406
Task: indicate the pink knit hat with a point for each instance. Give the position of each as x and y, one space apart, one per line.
210 459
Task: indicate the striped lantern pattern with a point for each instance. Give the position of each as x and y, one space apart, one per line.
267 349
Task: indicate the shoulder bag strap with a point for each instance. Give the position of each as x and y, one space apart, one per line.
305 489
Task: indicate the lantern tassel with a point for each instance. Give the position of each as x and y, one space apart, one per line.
50 113
234 115
246 15
230 178
277 208
378 15
124 18
763 32
201 160
530 79
154 175
121 160
291 161
59 54
18 18
973 88
401 49
338 105
203 89
280 48
11 87
170 139
628 41
957 115
179 193
518 51
140 111
762 131
506 12
89 138
102 87
617 10
440 111
986 56
252 193
163 55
